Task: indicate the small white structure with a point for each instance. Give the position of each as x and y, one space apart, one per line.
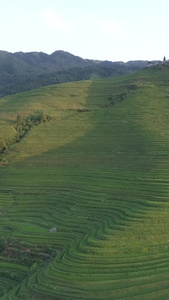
53 229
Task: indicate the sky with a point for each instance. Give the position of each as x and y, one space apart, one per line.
115 30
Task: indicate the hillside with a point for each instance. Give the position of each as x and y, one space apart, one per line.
96 174
25 71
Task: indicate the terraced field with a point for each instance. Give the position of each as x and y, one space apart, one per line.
97 172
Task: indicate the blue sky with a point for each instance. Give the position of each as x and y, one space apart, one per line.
116 30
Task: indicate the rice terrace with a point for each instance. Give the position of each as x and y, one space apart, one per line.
84 189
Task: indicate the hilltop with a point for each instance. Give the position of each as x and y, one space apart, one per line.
24 71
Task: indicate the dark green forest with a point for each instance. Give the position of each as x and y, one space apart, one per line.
26 71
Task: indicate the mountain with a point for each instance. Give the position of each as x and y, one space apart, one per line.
24 71
39 62
57 61
84 190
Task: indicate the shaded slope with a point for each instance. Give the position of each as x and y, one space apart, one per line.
98 172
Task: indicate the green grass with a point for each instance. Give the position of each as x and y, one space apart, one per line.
99 173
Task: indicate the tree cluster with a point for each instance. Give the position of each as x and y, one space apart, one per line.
22 127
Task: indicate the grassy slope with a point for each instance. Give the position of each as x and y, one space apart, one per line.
101 178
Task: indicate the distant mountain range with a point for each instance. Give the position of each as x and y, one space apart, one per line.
24 71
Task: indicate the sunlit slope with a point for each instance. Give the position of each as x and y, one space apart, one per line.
97 172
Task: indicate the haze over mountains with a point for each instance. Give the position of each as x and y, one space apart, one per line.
24 71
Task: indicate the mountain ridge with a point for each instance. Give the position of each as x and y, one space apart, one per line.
62 55
21 71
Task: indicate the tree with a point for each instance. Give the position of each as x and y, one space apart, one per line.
19 119
164 59
2 146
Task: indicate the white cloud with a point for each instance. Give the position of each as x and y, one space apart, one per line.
113 29
56 22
